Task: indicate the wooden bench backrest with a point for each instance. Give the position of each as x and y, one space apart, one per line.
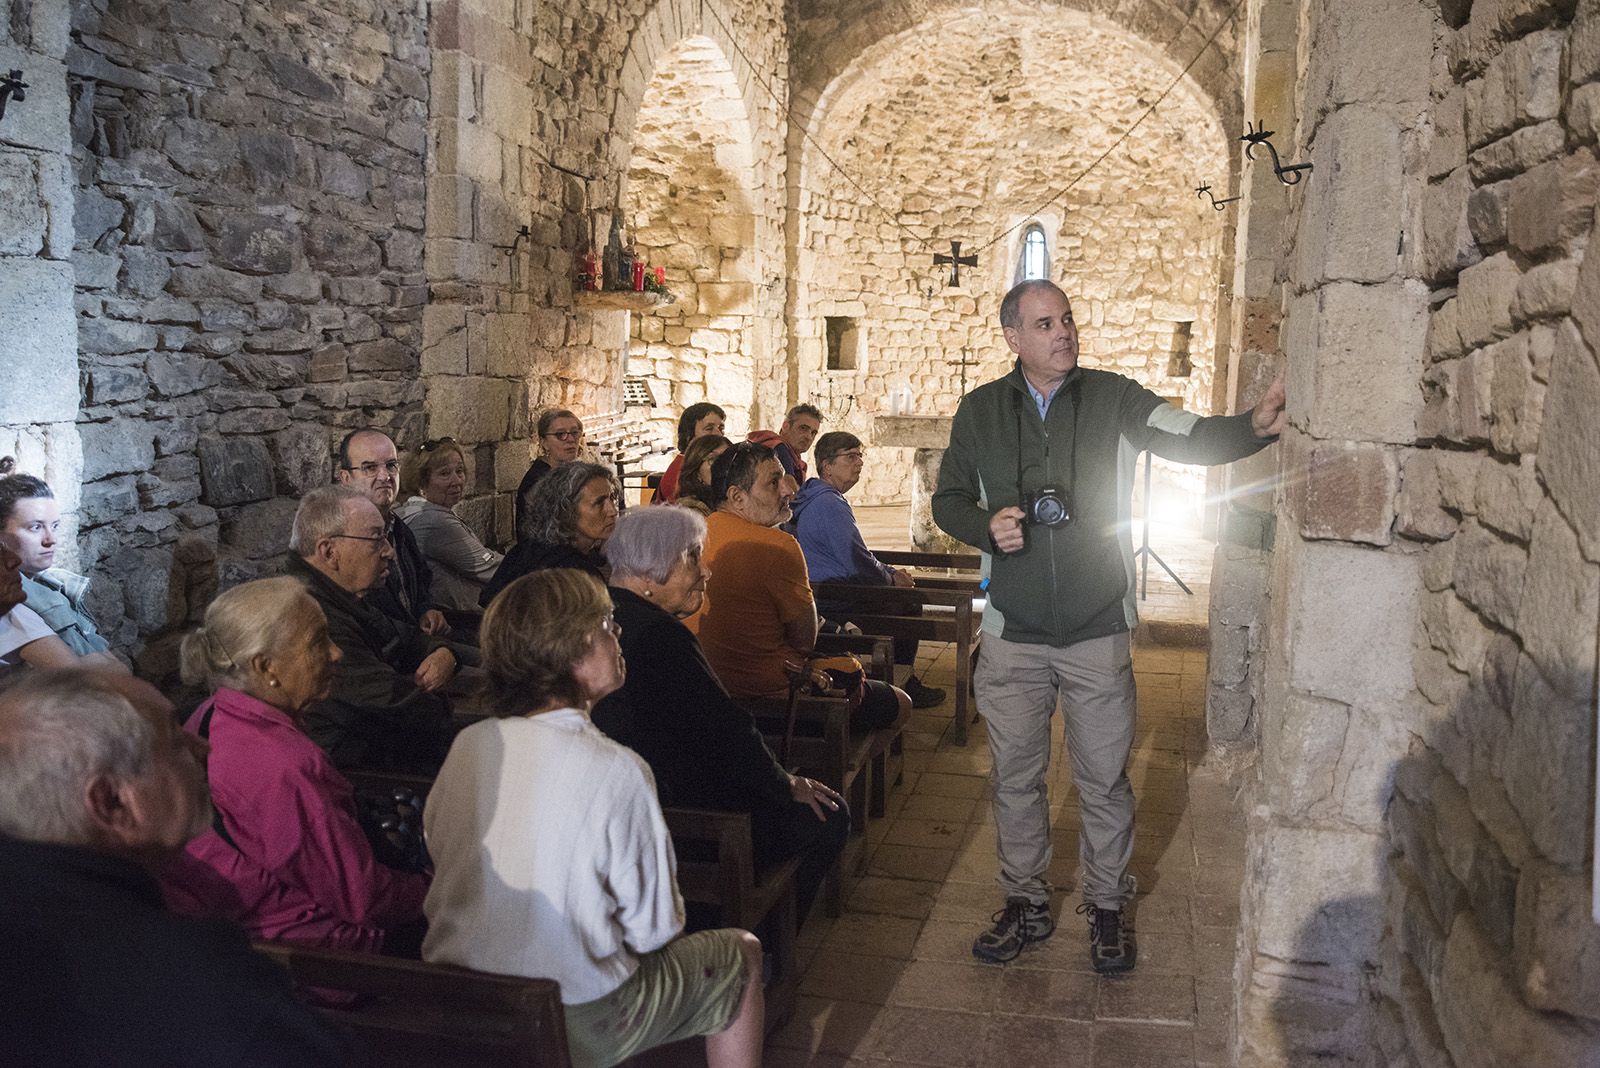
411 1013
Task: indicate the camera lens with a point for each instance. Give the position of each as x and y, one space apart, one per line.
1049 511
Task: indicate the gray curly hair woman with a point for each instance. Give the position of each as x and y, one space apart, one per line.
551 511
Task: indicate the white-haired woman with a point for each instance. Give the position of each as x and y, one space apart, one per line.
551 854
285 858
703 748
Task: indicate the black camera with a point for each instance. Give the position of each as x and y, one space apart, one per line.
1047 506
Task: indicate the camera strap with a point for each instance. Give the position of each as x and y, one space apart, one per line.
1075 390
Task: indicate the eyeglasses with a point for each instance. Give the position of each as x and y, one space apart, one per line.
852 454
433 443
371 468
565 435
370 539
611 626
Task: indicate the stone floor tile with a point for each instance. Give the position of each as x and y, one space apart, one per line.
827 1026
852 976
1058 995
1147 997
947 985
775 1057
1162 912
908 862
1033 1042
935 807
872 934
943 784
929 1036
949 940
972 760
940 834
1168 951
1131 1045
894 897
1215 910
1214 949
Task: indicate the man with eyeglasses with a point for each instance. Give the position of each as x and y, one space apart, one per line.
825 526
386 710
370 464
560 442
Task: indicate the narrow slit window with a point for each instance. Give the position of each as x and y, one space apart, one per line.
843 335
1035 261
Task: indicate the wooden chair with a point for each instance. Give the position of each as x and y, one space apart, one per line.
893 612
415 1014
716 867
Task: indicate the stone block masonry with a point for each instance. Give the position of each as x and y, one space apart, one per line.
1436 699
248 178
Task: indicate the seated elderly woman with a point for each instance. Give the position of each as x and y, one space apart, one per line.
30 527
552 857
285 858
672 710
571 513
694 485
434 479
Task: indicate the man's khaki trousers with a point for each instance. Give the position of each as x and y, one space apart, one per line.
1018 686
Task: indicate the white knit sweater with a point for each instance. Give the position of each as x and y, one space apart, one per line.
551 857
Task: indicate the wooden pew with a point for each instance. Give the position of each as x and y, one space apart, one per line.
743 896
434 1015
891 611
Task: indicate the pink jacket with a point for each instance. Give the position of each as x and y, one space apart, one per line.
301 869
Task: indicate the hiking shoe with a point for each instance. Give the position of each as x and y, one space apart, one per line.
1112 949
922 696
1019 923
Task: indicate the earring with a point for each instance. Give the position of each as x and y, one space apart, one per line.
272 682
649 593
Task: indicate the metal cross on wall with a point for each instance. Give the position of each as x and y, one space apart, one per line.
956 261
965 362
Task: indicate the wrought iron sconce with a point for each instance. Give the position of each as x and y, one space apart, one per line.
511 249
1253 137
1205 191
12 87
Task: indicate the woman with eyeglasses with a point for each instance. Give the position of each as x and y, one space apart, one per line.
697 421
560 441
433 481
570 514
551 856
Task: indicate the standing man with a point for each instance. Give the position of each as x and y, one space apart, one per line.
370 464
792 439
1038 476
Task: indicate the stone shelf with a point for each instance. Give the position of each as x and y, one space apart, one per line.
619 299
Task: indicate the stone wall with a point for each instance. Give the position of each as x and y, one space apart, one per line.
1024 104
248 261
39 406
1419 883
534 115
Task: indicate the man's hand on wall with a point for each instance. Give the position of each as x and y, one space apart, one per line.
1268 417
1005 527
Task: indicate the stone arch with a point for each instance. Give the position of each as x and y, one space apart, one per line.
688 203
763 102
1159 240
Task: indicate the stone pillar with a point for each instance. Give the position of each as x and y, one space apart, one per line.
39 404
1339 702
